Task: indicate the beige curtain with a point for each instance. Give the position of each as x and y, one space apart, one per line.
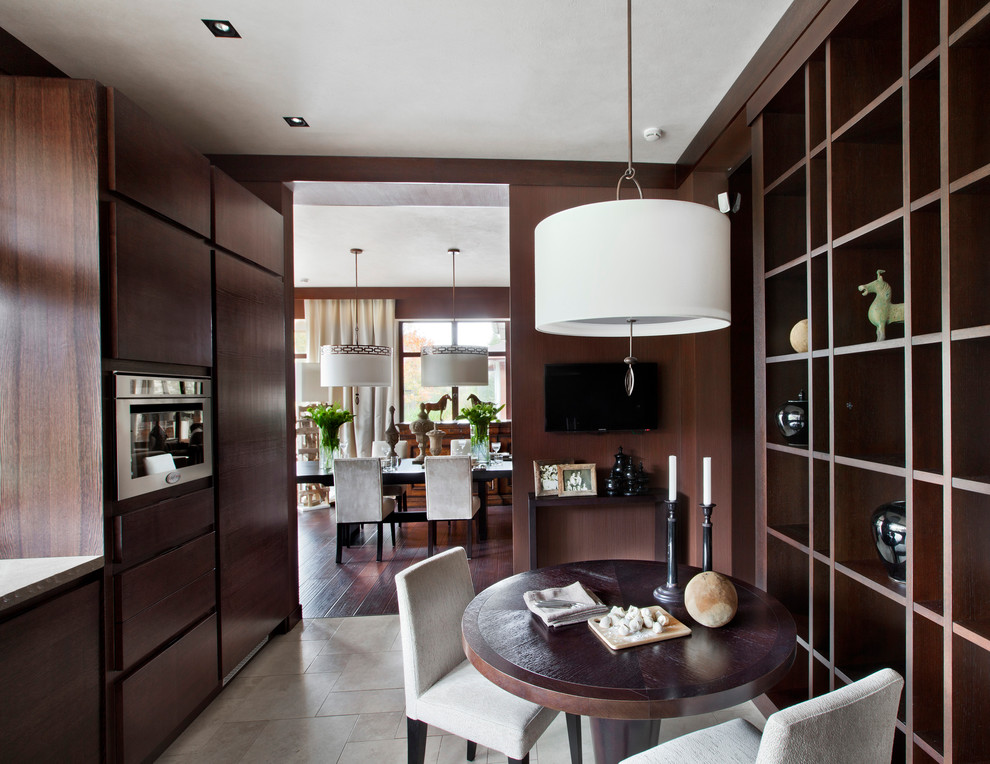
331 322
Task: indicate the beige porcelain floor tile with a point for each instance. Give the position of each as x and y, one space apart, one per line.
376 726
385 752
362 702
369 634
281 697
329 662
402 730
553 748
453 750
747 711
309 741
671 728
397 644
283 656
315 628
227 745
371 671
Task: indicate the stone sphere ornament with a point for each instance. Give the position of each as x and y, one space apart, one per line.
799 336
711 599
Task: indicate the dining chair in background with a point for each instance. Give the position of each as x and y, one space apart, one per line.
442 688
358 484
852 724
449 495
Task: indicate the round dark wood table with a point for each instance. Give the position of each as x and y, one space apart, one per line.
626 692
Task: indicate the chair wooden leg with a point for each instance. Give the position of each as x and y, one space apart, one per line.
415 741
392 525
472 750
574 737
341 530
381 531
523 760
431 536
469 524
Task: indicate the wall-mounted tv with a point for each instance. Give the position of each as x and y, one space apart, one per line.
591 397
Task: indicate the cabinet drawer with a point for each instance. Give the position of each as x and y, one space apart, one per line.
157 698
155 625
160 291
143 533
151 165
143 586
245 225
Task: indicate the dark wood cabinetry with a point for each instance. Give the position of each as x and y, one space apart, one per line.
244 224
257 589
159 291
50 679
148 164
874 156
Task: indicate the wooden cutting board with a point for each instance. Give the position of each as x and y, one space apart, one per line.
616 641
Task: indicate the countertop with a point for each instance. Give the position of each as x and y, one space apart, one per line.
23 580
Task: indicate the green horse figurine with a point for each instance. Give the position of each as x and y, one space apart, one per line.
882 310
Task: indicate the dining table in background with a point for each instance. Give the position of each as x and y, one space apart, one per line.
408 473
626 692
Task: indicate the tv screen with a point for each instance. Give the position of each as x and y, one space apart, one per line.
591 397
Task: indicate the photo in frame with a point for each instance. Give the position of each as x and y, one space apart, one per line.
576 480
545 476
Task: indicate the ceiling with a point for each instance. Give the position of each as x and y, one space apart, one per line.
514 79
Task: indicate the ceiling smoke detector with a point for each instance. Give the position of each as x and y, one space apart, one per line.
653 134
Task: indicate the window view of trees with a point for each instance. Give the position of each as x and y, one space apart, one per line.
417 334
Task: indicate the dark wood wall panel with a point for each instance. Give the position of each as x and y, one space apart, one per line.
160 291
50 680
244 224
50 419
256 582
149 164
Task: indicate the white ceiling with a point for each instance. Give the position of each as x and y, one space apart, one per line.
513 79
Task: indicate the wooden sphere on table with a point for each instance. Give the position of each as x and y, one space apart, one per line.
799 336
711 599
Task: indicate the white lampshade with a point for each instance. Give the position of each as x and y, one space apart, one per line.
449 365
308 387
662 263
355 366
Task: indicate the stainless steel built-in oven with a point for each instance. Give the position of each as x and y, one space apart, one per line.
164 432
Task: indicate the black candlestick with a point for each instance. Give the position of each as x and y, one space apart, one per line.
670 591
706 537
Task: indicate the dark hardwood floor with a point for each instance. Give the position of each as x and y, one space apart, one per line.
362 586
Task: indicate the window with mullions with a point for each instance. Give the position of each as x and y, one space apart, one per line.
418 334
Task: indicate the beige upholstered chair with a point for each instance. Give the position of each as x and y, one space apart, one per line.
358 484
852 724
449 495
460 447
442 687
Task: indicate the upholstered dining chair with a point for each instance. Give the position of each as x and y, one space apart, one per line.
358 484
442 687
852 724
449 495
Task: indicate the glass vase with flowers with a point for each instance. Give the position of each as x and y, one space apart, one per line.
329 417
480 416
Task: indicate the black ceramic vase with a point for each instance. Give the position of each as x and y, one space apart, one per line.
792 421
889 526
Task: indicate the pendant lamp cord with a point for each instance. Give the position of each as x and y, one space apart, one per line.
453 283
630 173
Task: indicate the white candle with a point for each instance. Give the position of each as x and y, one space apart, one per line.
706 486
672 485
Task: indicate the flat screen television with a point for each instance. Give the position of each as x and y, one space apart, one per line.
591 397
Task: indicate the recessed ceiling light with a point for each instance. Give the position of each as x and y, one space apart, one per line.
296 121
221 28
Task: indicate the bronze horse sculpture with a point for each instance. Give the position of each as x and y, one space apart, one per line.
440 405
882 310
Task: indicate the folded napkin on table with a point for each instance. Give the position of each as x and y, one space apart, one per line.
576 604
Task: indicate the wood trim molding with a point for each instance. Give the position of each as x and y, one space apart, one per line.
517 172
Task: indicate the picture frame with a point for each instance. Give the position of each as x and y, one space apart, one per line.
576 480
545 476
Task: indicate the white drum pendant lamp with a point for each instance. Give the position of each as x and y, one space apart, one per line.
659 265
355 365
453 365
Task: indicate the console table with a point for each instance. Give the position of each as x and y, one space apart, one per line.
604 502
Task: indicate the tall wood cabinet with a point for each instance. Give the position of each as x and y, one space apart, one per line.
874 154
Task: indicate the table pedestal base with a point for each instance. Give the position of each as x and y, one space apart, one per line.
616 739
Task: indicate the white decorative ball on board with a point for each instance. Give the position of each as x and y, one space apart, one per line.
711 599
799 336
